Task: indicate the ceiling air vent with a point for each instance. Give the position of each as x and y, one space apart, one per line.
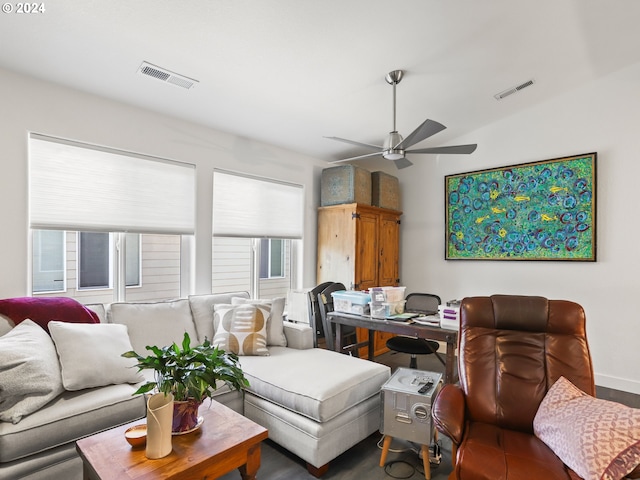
512 90
167 76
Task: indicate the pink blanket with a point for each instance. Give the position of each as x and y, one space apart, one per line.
44 309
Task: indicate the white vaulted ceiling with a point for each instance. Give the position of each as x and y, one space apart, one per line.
289 72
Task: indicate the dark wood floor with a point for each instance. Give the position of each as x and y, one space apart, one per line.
361 461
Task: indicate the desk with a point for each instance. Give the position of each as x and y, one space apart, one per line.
399 328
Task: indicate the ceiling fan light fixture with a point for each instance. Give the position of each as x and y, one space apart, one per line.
393 154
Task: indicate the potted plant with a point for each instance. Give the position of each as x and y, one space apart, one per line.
191 374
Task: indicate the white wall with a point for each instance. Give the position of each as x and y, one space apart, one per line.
601 117
32 105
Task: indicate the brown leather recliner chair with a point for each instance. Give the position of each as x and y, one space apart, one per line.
512 349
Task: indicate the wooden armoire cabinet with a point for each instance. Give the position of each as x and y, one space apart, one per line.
358 245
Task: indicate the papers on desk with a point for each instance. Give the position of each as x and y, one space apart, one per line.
402 317
430 320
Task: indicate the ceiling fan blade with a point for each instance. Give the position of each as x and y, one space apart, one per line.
424 131
360 144
402 163
452 149
357 158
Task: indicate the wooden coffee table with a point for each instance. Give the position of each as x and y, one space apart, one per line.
225 441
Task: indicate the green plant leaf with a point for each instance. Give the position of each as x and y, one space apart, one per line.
186 342
147 387
190 372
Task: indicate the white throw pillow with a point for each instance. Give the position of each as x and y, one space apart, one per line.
275 320
29 371
155 323
91 354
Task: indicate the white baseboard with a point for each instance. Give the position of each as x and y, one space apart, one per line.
616 383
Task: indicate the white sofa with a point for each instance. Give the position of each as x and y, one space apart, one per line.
315 403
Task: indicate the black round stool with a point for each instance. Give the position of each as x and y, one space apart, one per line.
412 346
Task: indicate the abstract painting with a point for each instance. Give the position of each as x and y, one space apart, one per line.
542 210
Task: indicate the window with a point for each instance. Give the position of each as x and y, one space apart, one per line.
271 258
133 259
48 261
94 260
237 265
257 229
91 274
125 217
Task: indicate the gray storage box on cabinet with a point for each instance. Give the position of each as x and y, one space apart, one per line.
385 191
345 184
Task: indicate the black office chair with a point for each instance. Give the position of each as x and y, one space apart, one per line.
325 303
315 320
424 304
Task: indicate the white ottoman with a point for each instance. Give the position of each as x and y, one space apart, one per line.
316 403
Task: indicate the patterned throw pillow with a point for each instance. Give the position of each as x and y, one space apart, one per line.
597 439
241 329
275 320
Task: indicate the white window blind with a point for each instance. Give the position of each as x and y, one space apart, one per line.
246 206
78 187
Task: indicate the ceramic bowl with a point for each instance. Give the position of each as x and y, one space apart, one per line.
136 435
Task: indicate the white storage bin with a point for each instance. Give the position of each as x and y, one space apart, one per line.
350 301
386 309
386 294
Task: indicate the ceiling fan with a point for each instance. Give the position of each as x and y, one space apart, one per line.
395 147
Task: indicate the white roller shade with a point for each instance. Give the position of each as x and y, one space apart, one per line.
252 207
77 187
